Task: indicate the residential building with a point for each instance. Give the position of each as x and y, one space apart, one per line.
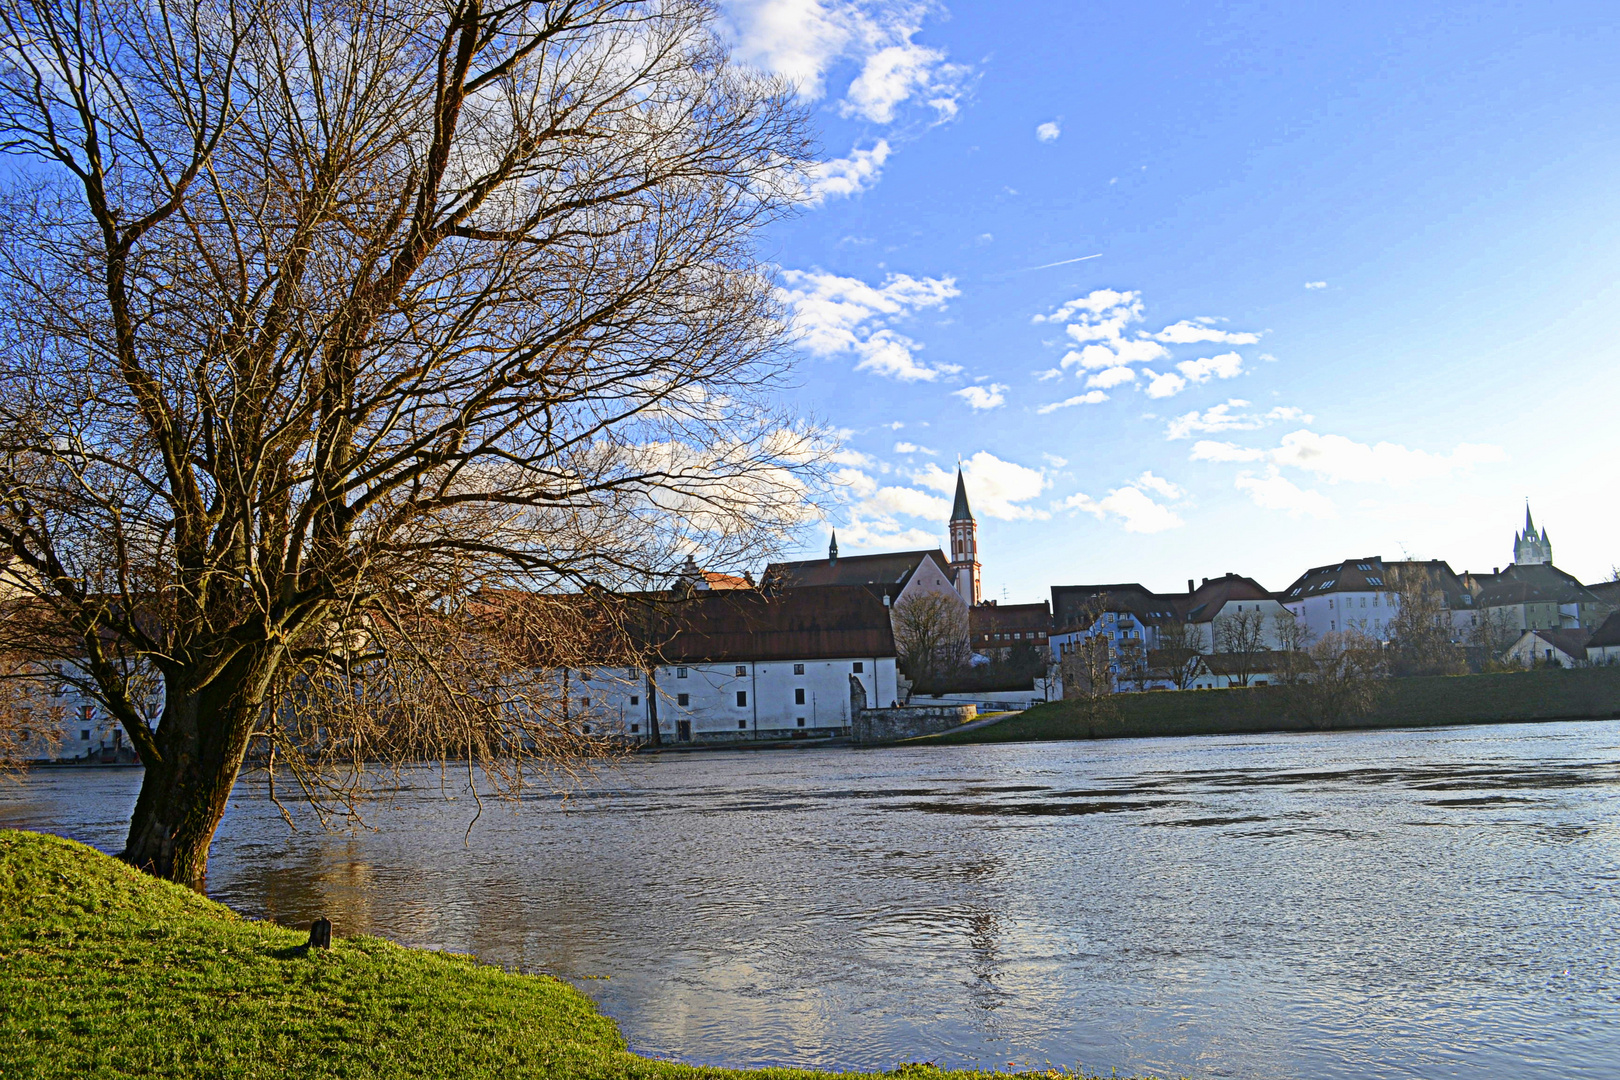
1603 647
1363 595
1554 648
1229 595
1536 596
997 630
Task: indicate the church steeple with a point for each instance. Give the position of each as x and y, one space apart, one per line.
1530 549
964 545
832 548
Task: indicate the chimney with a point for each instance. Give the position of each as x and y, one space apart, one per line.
1189 585
1206 581
1496 569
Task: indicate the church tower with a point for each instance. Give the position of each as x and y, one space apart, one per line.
964 546
1528 548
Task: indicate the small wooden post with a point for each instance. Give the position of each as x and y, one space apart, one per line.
320 934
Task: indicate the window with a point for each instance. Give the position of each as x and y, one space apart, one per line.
584 702
84 736
859 667
1041 633
1363 566
634 728
801 721
587 729
798 696
798 669
1376 580
629 672
742 698
635 699
683 699
680 673
1363 601
742 669
742 725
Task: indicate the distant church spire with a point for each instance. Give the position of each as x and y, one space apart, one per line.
964 545
1529 548
832 548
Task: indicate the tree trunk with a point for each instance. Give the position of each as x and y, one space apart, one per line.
202 739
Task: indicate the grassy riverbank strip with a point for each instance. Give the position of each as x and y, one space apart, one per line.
105 972
1538 695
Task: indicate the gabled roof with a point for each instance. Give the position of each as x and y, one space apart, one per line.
889 568
1373 573
1137 600
1607 635
1571 642
960 511
818 623
1206 601
1607 592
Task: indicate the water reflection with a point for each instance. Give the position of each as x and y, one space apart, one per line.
1413 904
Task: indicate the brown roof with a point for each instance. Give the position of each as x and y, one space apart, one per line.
889 568
1373 574
1571 642
1147 606
817 623
1607 592
993 618
1606 635
1206 600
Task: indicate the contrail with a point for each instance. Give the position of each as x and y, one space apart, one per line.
1062 262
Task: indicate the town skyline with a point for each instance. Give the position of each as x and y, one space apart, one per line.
1193 294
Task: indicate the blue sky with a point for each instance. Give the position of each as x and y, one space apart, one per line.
1353 289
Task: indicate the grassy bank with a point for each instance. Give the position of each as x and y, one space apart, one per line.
1588 693
105 972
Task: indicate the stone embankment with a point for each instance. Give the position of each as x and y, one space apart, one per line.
910 722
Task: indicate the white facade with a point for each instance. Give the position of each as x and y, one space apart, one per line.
770 699
1371 613
1532 648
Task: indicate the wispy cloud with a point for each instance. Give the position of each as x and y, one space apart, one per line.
1316 284
1095 397
834 315
1133 504
1272 491
842 177
997 488
1048 131
1231 415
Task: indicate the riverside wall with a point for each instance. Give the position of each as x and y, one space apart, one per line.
891 725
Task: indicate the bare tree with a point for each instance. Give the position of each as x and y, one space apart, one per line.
930 636
1180 652
1345 679
1292 658
1491 635
1421 632
324 319
1240 636
1087 664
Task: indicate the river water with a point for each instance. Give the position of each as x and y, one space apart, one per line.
1435 903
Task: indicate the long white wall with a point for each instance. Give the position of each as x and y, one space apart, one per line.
766 699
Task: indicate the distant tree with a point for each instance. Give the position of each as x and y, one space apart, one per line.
1345 679
1240 636
1490 636
1088 665
30 717
1180 651
931 636
1292 657
1421 632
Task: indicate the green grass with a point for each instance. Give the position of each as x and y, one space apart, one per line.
105 972
1542 694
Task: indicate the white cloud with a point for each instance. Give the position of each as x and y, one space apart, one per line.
842 177
1337 459
1096 302
1157 484
995 487
1111 377
1316 284
1054 461
1225 366
797 39
1049 374
1132 505
1187 333
911 448
982 397
1048 131
1218 418
1207 450
1276 492
890 76
909 502
1162 386
834 315
1095 397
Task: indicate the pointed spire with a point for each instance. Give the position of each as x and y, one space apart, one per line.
960 511
832 548
1529 525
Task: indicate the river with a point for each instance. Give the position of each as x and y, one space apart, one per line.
1428 903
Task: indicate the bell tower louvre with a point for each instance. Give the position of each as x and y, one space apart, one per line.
964 546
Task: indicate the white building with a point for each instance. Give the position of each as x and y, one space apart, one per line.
1560 648
1603 647
745 664
1363 596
